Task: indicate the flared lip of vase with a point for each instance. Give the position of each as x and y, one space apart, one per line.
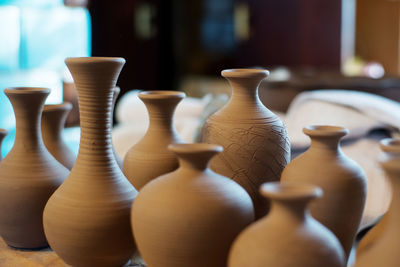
192 148
159 94
90 60
57 107
391 145
26 90
290 190
244 73
325 131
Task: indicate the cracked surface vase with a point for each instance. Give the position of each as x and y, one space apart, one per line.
87 220
255 141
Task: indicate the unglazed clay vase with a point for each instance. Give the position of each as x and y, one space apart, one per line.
29 174
288 235
390 153
342 179
150 157
190 217
116 92
384 250
3 134
255 141
87 220
53 121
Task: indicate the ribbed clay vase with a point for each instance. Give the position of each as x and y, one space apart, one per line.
380 247
87 220
342 179
116 92
288 235
191 216
150 157
3 134
255 141
29 174
53 121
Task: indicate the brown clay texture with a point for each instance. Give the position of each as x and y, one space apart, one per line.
150 157
380 247
191 216
87 220
116 92
288 235
53 121
29 174
255 141
342 179
3 134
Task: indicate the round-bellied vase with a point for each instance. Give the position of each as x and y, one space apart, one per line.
87 220
255 141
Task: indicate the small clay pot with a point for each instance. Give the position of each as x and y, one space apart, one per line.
3 134
342 179
150 157
288 235
29 174
191 216
53 121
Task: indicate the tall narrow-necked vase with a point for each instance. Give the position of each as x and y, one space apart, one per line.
255 141
3 134
384 242
190 217
288 235
53 121
29 174
342 179
87 220
150 157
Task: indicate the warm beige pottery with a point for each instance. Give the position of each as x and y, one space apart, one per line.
150 157
255 141
189 217
87 220
288 236
29 174
380 247
342 179
3 134
53 121
116 92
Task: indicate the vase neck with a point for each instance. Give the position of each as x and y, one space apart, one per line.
53 121
326 138
194 156
28 105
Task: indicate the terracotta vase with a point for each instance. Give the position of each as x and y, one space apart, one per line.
3 134
87 220
53 121
190 217
29 174
288 235
255 141
150 157
380 245
342 179
116 92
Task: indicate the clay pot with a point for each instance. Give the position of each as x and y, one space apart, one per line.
116 92
87 220
288 235
390 152
190 217
3 134
255 141
29 174
342 179
150 157
53 121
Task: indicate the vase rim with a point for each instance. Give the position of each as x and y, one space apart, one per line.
390 145
26 90
88 60
56 107
325 131
290 190
244 73
159 94
192 148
